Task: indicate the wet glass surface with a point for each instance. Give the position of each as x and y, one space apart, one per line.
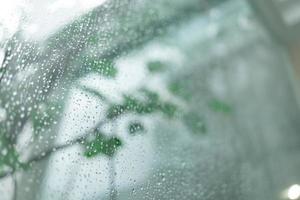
161 99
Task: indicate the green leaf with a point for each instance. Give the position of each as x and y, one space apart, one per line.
111 146
219 106
103 67
115 111
194 123
169 109
137 106
152 97
156 66
132 104
102 145
142 107
177 88
136 128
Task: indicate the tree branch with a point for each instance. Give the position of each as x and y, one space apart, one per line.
57 148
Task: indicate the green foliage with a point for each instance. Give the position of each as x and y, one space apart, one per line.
151 104
9 156
93 39
179 89
46 115
156 66
220 106
152 97
103 67
195 123
135 128
2 70
169 109
132 104
115 111
102 145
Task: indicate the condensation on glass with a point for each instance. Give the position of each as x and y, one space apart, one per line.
140 99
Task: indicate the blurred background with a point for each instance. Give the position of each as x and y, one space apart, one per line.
139 99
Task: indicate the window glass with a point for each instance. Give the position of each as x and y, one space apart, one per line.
161 99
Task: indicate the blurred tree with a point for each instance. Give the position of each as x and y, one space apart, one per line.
50 70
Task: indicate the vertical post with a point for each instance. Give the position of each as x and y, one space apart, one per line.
294 55
112 179
15 185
